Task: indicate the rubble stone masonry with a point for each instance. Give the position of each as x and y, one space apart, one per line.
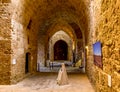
5 43
106 29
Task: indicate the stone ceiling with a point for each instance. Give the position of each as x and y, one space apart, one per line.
44 13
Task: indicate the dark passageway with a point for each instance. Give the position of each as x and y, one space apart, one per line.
60 50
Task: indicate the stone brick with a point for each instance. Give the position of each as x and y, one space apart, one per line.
5 43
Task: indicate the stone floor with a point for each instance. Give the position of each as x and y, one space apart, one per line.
46 82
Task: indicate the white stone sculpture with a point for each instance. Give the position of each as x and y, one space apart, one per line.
62 78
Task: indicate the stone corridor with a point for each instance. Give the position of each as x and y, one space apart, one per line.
33 32
46 82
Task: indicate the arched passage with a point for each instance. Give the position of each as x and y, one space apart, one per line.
35 24
60 50
60 35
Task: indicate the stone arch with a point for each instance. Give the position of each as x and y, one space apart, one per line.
61 25
60 35
80 44
74 34
68 11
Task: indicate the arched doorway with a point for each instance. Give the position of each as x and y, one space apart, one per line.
27 62
60 50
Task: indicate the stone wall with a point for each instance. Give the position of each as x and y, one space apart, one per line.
18 55
22 42
5 43
105 18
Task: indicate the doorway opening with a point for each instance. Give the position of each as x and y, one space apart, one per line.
27 63
60 50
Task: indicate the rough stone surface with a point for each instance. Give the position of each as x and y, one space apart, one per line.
106 29
5 43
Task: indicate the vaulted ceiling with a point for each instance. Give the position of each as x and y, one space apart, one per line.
42 14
